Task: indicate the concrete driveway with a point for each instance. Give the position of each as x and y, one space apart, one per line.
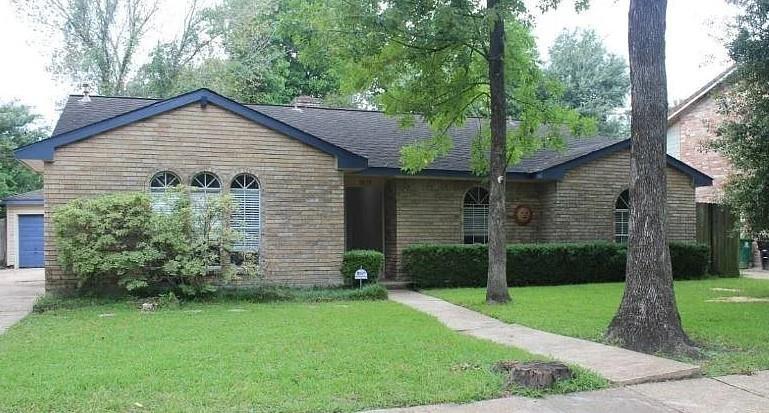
18 291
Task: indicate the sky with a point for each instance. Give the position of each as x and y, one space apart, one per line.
695 52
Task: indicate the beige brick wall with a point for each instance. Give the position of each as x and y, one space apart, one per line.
302 190
697 127
578 208
430 211
583 208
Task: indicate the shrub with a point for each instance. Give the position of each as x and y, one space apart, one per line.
370 260
270 293
119 239
539 264
690 259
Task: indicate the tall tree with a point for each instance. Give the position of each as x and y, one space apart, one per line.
744 137
448 60
101 37
648 319
171 64
17 129
596 82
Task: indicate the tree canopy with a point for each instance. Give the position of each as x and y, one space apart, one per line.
744 137
17 129
431 58
596 82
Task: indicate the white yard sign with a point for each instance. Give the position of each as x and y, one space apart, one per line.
361 274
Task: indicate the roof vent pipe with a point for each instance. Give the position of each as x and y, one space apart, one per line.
86 93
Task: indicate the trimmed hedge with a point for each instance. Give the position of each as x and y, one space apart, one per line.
370 260
539 264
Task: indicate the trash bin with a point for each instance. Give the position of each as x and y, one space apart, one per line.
746 252
763 249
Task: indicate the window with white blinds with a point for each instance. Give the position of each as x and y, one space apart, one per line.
161 197
204 185
475 216
622 217
246 215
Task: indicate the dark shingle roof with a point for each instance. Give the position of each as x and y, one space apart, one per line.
371 134
26 198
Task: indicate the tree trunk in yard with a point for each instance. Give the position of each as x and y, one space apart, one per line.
496 287
648 319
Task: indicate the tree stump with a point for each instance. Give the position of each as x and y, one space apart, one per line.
533 374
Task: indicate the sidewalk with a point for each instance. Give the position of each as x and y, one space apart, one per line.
620 366
729 394
756 273
18 291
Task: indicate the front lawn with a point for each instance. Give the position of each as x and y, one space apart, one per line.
231 356
734 335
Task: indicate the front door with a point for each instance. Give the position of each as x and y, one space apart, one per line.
364 218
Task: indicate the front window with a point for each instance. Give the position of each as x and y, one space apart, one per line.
475 216
622 217
204 185
246 212
160 186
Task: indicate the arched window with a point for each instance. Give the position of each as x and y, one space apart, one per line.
622 217
160 184
475 216
246 212
203 185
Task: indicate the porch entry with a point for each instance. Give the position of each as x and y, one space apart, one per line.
364 215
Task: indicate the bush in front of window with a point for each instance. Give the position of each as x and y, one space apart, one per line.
370 260
118 239
456 265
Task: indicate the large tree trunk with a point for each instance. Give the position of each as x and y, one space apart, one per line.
648 319
496 286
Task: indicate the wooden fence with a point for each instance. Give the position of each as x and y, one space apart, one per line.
717 228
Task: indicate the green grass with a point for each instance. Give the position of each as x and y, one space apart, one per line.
292 357
734 336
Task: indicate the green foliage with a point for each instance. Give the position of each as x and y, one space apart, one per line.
174 66
596 82
119 239
690 260
370 260
743 138
100 37
431 58
457 265
17 129
273 293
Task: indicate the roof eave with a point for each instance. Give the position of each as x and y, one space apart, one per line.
23 202
44 150
436 173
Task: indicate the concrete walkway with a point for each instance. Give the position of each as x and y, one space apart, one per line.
756 273
18 291
729 394
618 365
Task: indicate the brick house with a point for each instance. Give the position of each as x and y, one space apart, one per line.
313 182
691 125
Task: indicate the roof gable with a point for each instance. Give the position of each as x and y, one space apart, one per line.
44 150
679 110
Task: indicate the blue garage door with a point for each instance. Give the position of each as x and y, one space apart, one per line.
30 241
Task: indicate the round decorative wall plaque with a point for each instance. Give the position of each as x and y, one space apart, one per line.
522 214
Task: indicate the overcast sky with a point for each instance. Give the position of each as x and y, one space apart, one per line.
695 51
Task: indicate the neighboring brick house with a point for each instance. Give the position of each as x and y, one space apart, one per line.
692 125
315 181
